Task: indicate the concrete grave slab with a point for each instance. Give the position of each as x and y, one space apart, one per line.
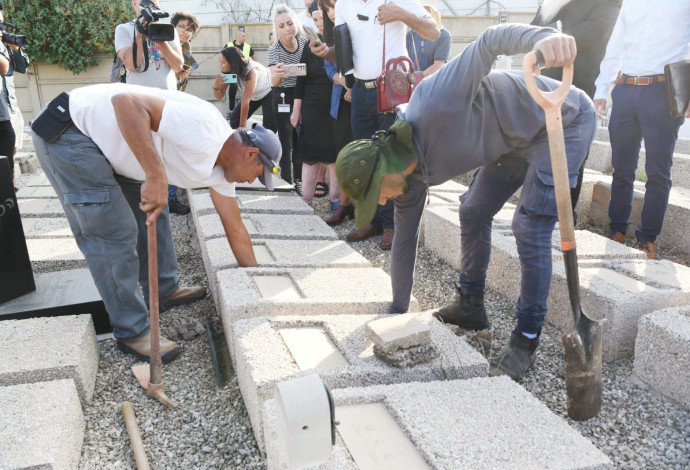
40 208
662 353
39 179
591 245
44 349
36 192
256 203
26 162
282 253
267 226
398 331
258 338
674 232
279 185
57 249
42 227
41 426
60 293
480 423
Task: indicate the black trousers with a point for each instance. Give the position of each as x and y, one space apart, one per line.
7 141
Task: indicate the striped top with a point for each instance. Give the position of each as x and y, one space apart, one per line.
263 81
277 54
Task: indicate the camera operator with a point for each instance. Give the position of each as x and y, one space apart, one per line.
19 62
7 137
164 57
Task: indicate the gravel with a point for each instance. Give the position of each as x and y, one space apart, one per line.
210 428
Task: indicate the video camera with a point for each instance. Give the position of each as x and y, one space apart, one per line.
154 30
14 39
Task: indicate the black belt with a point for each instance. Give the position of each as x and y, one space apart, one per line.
366 83
646 80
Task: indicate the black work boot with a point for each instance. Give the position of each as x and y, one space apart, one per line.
516 358
466 311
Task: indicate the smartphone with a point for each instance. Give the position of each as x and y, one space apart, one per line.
296 70
313 37
229 78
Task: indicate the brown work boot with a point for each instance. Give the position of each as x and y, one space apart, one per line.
362 234
387 238
183 295
141 348
617 237
648 248
341 213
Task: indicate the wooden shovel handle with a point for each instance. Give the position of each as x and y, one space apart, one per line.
155 357
551 102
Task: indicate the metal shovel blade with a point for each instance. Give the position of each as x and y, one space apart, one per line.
143 374
583 381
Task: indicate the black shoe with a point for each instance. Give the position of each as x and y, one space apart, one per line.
466 311
176 207
516 358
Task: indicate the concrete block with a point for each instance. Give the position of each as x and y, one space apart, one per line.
27 162
36 192
267 226
43 227
674 231
398 331
41 426
256 202
282 253
602 134
39 179
449 186
43 349
40 208
258 338
480 423
599 158
662 353
279 185
53 249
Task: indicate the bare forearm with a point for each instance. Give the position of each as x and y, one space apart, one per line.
425 27
234 228
173 55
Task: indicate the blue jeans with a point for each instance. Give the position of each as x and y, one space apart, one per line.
107 224
641 112
535 216
366 120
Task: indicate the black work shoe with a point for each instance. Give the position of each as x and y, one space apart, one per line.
516 358
176 207
466 311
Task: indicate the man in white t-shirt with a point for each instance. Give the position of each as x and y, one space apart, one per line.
156 136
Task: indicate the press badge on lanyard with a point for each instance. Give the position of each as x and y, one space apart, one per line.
283 107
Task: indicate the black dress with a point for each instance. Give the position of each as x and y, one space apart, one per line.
316 143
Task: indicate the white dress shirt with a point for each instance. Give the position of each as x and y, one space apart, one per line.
648 35
367 34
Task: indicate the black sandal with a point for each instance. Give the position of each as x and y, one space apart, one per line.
321 189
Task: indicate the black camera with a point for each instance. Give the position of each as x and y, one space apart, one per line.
154 30
13 39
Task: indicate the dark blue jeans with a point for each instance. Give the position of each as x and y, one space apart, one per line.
534 219
641 112
366 120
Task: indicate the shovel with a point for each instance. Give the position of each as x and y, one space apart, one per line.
582 346
150 376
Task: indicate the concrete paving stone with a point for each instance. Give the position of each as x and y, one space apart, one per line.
662 353
602 133
258 338
257 203
397 332
279 185
591 245
55 249
42 227
39 179
36 192
43 349
269 226
674 231
480 423
282 253
599 158
40 208
41 426
449 186
26 161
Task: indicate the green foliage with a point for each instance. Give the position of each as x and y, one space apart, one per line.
69 33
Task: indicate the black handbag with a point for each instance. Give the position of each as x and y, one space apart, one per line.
54 120
678 87
343 49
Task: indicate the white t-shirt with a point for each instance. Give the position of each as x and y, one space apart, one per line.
367 35
159 74
305 20
190 135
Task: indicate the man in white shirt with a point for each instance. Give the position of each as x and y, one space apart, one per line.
156 136
647 36
367 20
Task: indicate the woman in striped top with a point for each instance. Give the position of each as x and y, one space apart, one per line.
287 50
253 81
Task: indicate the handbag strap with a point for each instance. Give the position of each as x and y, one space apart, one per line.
414 48
383 56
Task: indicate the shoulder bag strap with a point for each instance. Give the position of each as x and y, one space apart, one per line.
383 56
145 47
414 48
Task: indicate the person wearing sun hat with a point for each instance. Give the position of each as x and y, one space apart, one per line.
466 116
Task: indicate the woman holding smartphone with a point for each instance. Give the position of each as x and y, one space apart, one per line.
253 82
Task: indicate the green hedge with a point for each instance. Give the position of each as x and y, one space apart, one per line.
69 33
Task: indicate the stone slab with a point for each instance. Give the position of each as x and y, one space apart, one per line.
41 208
258 338
36 192
217 255
674 231
662 353
268 226
44 349
41 426
480 423
279 185
256 203
398 332
39 179
27 162
56 249
68 292
46 227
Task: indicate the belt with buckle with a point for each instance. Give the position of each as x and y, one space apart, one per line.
646 80
366 83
